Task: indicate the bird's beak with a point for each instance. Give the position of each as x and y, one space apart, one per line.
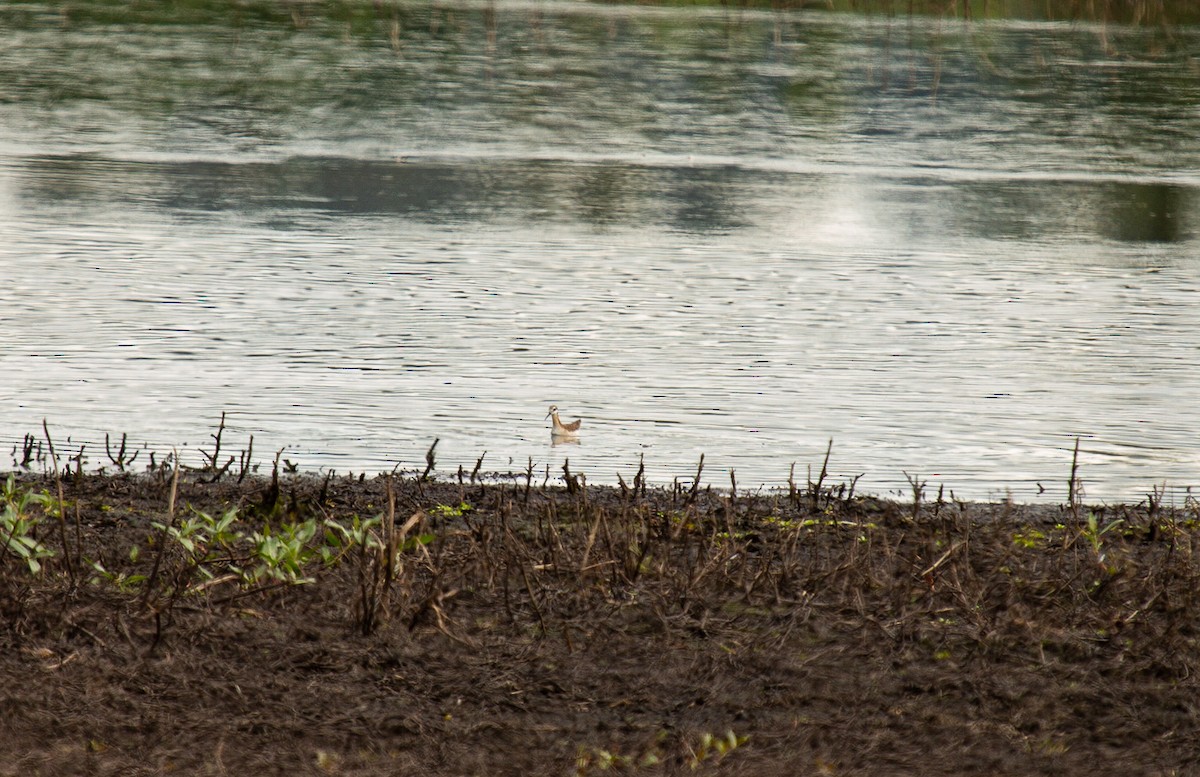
547 416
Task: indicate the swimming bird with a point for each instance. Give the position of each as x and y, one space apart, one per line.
559 428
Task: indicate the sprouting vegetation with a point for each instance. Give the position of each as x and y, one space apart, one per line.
19 525
706 749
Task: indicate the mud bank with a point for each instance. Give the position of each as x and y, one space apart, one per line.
355 626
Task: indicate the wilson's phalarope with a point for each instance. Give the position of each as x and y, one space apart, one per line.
560 429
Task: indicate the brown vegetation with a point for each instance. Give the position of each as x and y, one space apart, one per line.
412 626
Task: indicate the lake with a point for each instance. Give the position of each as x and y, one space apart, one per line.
950 245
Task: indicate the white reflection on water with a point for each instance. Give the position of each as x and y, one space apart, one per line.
692 236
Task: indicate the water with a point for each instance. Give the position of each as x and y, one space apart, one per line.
951 247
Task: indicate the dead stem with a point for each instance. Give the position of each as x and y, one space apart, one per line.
62 511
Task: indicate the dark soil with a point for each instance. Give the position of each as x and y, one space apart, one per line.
555 631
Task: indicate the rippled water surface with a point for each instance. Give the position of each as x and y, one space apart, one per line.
951 247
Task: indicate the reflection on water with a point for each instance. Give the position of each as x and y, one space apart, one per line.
949 247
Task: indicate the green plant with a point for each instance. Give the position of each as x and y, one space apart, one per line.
1094 534
123 582
217 543
709 747
715 747
219 550
283 556
600 760
18 525
1029 538
448 511
339 538
198 533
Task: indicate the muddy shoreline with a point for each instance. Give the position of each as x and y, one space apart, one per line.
394 625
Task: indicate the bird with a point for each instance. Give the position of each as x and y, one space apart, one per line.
559 428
